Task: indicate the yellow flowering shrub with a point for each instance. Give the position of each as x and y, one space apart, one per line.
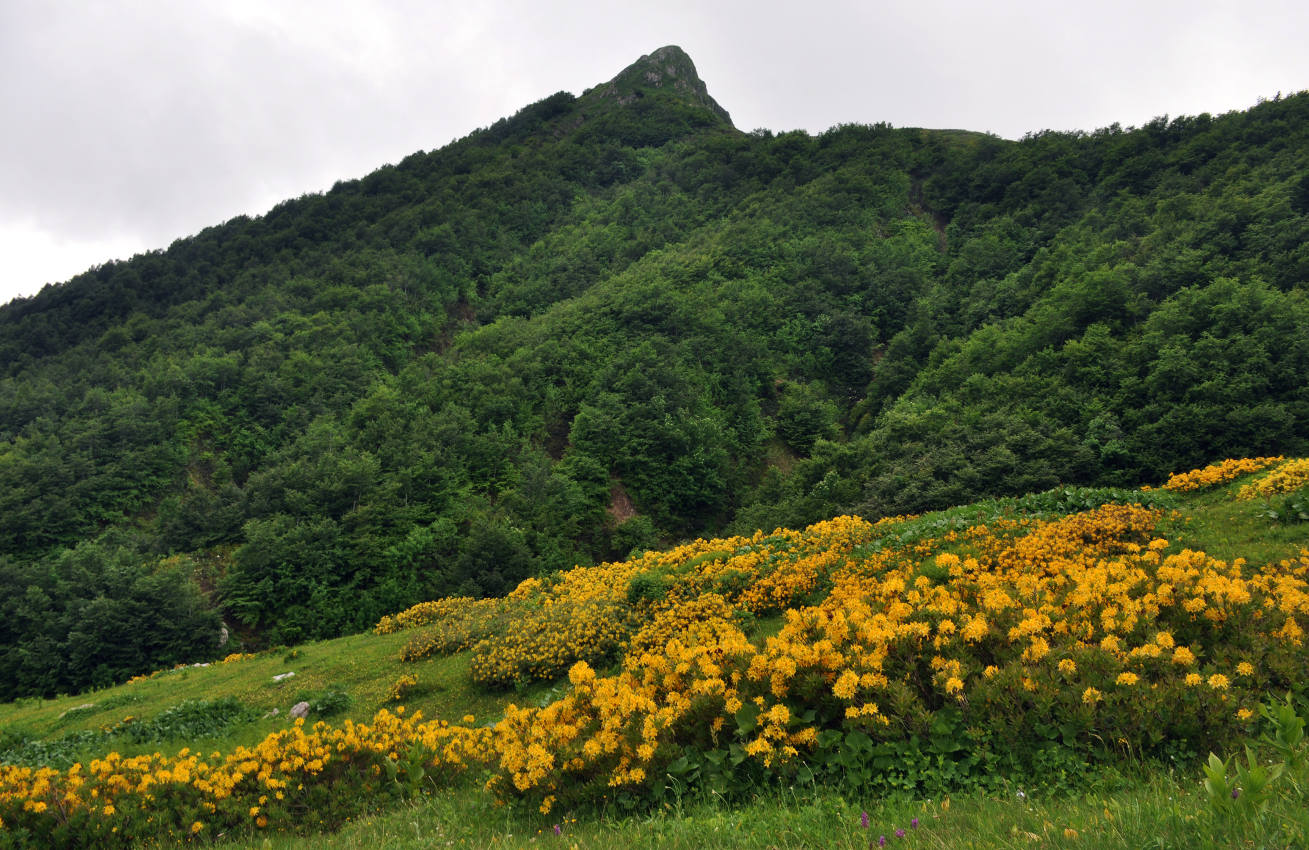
421 614
1291 475
1218 473
1089 619
456 624
122 801
402 687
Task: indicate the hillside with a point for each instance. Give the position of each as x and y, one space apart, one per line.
612 322
1048 641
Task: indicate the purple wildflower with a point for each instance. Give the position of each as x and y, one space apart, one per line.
558 831
863 819
899 833
881 841
914 823
1236 792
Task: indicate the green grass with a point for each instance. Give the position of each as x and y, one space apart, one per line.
1158 810
364 666
1226 528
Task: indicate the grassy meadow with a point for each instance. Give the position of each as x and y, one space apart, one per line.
1052 670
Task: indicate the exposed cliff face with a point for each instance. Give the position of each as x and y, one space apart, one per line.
667 69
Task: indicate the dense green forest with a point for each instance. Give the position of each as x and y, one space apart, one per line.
613 321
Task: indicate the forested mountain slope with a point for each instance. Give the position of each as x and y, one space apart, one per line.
614 320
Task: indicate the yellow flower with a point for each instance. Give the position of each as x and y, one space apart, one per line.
1193 679
1127 679
1091 696
196 827
1245 668
1183 656
1218 682
1067 666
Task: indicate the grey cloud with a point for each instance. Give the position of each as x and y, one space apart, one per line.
141 122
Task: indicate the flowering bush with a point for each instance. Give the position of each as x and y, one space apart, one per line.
292 779
402 687
1218 473
1289 476
1089 626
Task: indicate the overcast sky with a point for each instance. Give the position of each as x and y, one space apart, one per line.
130 124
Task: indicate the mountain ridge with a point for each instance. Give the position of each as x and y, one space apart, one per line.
557 341
668 68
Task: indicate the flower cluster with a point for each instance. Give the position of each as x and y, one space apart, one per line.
1291 475
1218 473
280 783
1091 621
421 614
456 625
401 687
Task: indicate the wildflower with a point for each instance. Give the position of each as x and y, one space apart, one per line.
1091 696
1067 666
899 833
863 819
1127 679
1218 682
914 823
1245 668
881 841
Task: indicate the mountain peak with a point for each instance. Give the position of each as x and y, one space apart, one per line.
669 69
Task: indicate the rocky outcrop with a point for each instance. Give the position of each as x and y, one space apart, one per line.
668 69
